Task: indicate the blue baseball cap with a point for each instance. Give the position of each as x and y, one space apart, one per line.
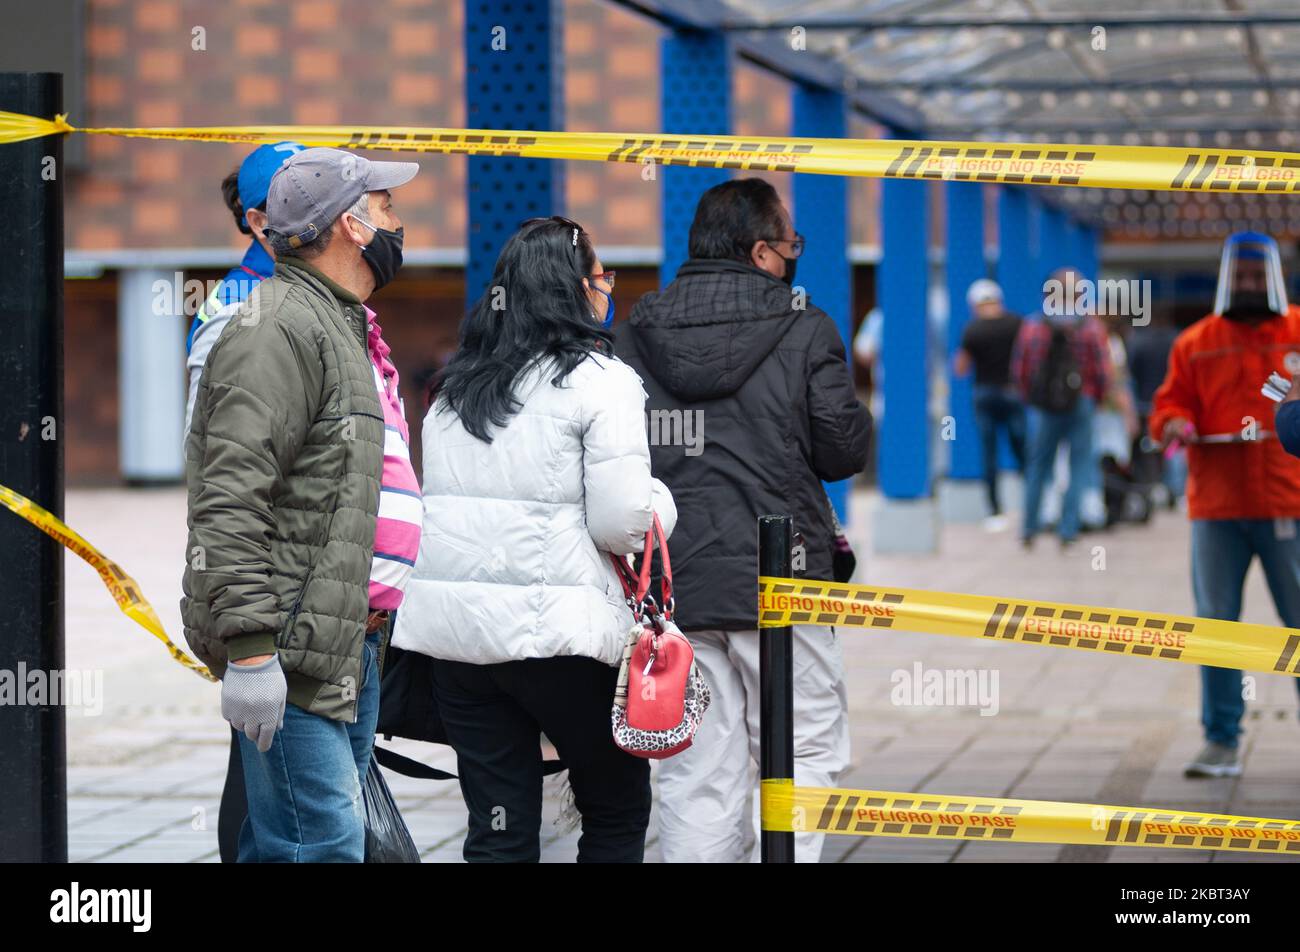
256 170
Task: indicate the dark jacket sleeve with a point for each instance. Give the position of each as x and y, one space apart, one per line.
1020 359
1287 423
263 390
840 425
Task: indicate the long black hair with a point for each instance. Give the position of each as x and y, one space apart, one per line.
534 308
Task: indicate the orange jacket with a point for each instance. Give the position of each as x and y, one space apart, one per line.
1215 371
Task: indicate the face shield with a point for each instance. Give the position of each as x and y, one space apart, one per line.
1250 278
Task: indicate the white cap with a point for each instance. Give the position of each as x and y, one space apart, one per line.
983 291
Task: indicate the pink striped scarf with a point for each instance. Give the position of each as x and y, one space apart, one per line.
397 532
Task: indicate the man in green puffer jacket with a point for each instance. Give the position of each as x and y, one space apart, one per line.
283 466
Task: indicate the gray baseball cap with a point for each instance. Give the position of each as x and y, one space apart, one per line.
315 186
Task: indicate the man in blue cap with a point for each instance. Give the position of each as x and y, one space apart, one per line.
245 193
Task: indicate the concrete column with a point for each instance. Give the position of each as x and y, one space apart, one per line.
151 332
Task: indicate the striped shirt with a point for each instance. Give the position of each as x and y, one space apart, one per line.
397 532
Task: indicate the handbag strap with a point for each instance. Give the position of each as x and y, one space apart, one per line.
407 767
636 588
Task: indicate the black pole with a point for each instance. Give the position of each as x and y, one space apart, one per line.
33 754
776 683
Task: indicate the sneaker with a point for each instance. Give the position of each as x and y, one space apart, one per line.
1214 760
997 523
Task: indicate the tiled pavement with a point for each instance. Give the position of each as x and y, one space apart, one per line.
145 775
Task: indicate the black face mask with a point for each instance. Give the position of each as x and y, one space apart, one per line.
1249 306
383 254
790 264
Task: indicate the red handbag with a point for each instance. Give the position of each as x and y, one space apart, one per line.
661 695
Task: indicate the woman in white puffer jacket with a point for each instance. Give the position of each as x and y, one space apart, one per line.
536 466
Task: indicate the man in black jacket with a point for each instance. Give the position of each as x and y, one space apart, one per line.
751 405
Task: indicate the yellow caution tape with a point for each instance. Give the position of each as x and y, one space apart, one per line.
788 808
1023 163
1226 644
125 590
15 127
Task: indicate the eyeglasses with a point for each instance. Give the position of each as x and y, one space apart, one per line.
796 243
606 276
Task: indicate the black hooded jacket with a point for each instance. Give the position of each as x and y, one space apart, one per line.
767 387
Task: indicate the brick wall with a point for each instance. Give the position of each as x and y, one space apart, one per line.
375 62
309 62
90 381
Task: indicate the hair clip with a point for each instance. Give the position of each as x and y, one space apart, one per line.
575 237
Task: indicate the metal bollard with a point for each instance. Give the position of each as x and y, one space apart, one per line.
33 781
776 683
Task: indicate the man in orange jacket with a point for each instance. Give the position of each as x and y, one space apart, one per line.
1243 491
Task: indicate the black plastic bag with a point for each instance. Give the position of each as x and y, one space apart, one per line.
387 838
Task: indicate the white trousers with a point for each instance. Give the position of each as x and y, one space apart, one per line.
707 792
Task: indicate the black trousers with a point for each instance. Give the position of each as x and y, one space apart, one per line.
495 715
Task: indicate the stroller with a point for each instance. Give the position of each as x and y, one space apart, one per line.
1128 497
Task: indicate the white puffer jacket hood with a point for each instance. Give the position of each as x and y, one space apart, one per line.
512 559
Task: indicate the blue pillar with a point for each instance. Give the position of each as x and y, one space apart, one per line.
821 205
904 444
1090 251
1084 248
1075 244
694 97
1055 246
1016 263
513 80
964 263
1039 265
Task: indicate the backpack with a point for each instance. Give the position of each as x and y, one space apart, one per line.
1057 381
